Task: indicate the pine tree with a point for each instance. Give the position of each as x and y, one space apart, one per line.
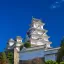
60 55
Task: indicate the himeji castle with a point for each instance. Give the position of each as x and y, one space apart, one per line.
40 44
37 34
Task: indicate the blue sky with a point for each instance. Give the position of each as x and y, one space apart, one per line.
16 15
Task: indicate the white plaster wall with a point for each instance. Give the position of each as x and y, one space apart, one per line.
38 27
46 39
34 37
47 45
51 51
18 40
39 32
33 32
31 54
50 54
42 27
40 43
11 43
37 42
50 57
33 42
34 26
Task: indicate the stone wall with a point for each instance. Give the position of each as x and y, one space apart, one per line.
33 61
16 56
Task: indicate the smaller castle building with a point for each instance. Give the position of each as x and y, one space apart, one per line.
15 45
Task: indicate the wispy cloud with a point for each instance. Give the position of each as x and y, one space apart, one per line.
53 6
56 4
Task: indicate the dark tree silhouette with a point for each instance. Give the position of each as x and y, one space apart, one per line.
60 55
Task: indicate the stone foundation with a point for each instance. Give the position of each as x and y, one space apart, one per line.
33 61
16 56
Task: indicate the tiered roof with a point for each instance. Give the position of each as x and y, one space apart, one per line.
37 34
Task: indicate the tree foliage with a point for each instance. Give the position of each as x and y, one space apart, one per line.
60 55
3 58
27 44
10 57
61 62
50 62
21 47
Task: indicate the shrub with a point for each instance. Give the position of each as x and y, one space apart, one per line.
61 62
27 45
21 47
10 57
50 62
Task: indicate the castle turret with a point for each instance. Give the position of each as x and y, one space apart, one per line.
18 42
37 34
10 44
14 45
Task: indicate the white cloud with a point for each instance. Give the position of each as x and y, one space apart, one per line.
57 4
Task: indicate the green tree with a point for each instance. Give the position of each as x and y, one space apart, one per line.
10 57
27 44
50 62
21 47
3 58
61 62
60 54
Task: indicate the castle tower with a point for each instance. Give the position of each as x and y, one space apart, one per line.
10 44
37 34
18 42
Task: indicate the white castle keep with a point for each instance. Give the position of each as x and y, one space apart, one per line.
40 45
37 34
